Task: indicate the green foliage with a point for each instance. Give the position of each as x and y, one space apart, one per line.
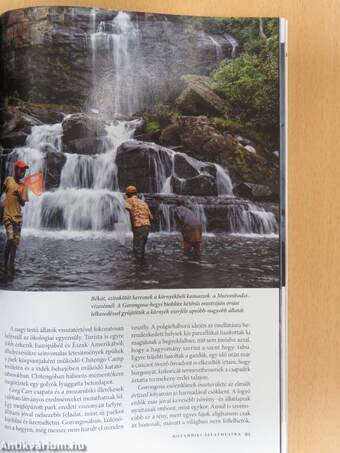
152 126
238 128
250 83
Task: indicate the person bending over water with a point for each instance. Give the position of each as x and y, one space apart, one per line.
16 197
191 228
141 218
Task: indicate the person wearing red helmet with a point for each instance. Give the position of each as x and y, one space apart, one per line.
16 197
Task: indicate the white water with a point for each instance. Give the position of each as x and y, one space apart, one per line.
98 171
224 184
233 42
118 41
223 181
89 198
218 48
252 219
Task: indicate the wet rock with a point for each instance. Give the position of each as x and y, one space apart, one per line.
54 162
47 114
255 192
140 164
52 43
183 168
81 134
16 126
200 138
197 98
209 168
198 185
89 146
82 126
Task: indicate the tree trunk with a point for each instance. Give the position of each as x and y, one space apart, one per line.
261 31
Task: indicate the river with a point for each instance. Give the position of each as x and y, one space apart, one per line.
63 262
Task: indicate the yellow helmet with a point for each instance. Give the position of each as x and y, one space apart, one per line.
131 189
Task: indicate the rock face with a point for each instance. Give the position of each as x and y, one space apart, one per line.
211 139
256 192
147 166
54 162
183 169
81 134
197 135
140 164
197 98
48 53
198 185
224 214
16 126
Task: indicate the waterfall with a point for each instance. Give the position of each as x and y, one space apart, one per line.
42 139
251 219
223 181
45 137
224 184
89 197
218 49
98 171
118 43
233 42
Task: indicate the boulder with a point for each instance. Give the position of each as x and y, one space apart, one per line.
171 135
198 185
47 114
81 134
209 168
199 136
142 164
183 168
54 162
16 126
89 146
197 98
252 191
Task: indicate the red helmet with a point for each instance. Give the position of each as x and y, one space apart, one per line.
21 164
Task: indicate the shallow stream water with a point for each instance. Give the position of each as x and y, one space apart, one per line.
62 262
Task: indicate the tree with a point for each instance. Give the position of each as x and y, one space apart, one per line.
250 86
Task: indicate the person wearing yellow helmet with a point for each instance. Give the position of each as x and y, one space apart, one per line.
141 218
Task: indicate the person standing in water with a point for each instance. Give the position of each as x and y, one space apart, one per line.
191 228
16 197
141 218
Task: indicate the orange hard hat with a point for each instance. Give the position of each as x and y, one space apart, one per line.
131 189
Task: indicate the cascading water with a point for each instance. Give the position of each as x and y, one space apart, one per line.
119 41
89 197
88 193
218 48
233 42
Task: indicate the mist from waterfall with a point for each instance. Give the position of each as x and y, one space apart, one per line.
116 88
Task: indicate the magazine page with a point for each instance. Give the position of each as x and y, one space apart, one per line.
142 232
